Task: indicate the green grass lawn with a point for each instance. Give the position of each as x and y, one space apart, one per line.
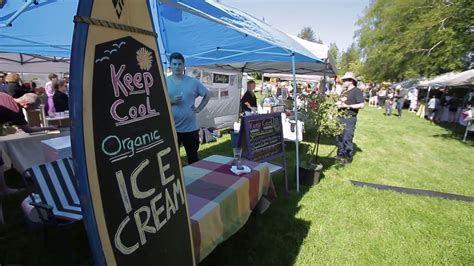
337 223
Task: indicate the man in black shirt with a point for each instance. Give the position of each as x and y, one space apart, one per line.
351 101
249 100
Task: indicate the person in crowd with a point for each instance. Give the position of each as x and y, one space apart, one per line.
60 98
42 97
11 112
50 110
306 88
400 95
382 96
389 100
372 93
337 86
278 87
285 90
3 84
433 106
350 103
33 87
413 97
183 91
443 102
28 87
453 105
249 100
15 89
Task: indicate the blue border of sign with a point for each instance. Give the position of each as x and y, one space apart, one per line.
77 132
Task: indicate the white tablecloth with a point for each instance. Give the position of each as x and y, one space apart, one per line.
22 150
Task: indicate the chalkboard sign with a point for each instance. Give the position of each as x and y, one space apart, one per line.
261 139
263 135
221 79
131 183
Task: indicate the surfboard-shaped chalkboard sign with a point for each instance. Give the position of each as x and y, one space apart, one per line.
126 158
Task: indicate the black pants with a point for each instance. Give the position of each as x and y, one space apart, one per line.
190 141
345 147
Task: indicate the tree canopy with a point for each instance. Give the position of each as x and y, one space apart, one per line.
400 39
334 52
307 33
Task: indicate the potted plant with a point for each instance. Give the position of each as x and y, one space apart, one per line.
320 115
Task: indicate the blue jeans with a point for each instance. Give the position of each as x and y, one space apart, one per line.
345 147
400 104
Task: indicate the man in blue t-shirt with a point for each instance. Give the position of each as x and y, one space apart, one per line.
183 91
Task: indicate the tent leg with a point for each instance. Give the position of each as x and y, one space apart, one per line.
465 132
295 101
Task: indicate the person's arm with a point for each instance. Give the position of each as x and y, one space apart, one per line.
352 106
203 103
29 129
176 100
204 92
244 102
359 102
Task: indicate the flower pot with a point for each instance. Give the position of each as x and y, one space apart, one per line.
310 176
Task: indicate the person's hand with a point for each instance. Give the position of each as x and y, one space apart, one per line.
177 99
51 128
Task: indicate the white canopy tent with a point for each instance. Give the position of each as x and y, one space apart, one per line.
459 79
451 79
26 63
320 51
304 78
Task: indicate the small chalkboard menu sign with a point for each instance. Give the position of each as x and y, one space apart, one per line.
261 139
127 162
221 78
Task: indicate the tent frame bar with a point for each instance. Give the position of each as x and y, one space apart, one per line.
18 13
240 52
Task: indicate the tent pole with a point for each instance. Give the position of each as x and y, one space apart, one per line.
17 13
295 103
324 74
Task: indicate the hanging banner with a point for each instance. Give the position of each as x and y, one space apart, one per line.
126 158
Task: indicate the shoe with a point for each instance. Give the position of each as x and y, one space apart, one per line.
341 163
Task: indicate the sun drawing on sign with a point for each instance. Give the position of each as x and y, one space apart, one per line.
144 59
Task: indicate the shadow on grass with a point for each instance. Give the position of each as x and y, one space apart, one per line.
457 132
18 238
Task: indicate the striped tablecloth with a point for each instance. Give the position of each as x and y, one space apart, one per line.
221 202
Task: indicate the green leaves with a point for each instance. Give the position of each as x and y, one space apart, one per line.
307 33
320 114
401 39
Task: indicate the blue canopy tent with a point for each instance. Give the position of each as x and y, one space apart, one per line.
208 34
217 36
36 37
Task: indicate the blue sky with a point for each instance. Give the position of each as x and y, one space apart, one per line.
331 20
